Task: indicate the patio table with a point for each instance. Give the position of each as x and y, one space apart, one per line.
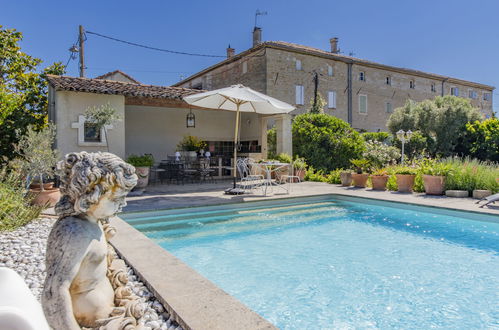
268 168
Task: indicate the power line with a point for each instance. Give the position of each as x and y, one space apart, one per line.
152 48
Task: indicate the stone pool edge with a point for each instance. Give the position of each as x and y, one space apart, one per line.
194 301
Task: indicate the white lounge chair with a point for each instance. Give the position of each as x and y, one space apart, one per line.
490 199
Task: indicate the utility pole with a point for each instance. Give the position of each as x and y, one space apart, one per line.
81 39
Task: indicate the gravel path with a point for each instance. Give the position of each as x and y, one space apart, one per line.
23 250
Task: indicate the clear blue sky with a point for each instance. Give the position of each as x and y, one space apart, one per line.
457 38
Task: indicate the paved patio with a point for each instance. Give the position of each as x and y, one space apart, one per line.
174 196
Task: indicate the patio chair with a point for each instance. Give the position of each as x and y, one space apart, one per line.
490 199
249 181
205 172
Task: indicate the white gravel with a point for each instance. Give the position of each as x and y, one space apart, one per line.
23 250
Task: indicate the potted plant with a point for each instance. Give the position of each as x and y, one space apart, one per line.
142 166
379 178
361 174
405 178
300 167
346 178
434 174
39 162
190 145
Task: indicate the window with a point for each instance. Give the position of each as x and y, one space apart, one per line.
487 96
388 107
388 80
363 104
472 94
330 71
298 64
331 100
433 88
245 66
299 97
362 76
454 91
197 86
91 133
412 84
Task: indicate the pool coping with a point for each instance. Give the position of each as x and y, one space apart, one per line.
194 301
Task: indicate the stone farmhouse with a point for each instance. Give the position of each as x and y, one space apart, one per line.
361 92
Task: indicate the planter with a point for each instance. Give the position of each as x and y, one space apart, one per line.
300 174
379 182
405 182
479 194
47 198
189 154
360 180
457 193
36 186
346 179
434 184
143 175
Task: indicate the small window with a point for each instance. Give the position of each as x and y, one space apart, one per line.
330 71
245 66
299 97
298 64
487 96
412 85
91 133
331 100
388 107
197 86
362 76
388 80
472 94
363 104
454 91
433 88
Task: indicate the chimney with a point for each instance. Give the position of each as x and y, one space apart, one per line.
230 52
257 36
334 45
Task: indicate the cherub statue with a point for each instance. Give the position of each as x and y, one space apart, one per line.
82 289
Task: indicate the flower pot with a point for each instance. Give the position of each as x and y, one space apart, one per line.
405 182
47 198
434 184
346 179
360 180
479 194
36 186
379 182
300 174
143 175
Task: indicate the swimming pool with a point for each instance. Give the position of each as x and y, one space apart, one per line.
335 262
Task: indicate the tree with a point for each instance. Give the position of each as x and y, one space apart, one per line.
326 142
317 107
482 139
441 121
101 117
23 92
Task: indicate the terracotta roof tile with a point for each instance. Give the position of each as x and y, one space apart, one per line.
99 86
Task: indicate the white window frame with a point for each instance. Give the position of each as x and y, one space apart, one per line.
299 95
362 113
330 70
298 65
331 99
362 76
453 90
245 67
386 107
80 125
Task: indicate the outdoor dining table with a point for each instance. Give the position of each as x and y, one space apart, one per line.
268 168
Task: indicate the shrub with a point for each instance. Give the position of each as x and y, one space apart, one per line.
284 158
326 142
384 137
433 167
379 154
470 174
141 161
191 143
272 143
316 176
15 208
334 176
416 147
481 140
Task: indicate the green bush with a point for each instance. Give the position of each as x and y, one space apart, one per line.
191 143
316 176
470 174
379 154
271 143
141 161
416 147
284 158
326 142
15 208
383 137
481 140
334 176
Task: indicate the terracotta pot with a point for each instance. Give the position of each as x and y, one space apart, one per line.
300 174
47 198
360 180
379 182
36 186
405 182
433 184
143 174
346 179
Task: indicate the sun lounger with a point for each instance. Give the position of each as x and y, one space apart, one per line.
489 199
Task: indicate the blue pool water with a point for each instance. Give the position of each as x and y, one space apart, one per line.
334 263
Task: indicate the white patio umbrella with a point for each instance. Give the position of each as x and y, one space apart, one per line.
239 98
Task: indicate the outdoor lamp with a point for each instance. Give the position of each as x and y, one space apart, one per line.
408 134
177 156
191 119
400 135
404 137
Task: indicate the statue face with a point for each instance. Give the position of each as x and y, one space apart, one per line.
109 204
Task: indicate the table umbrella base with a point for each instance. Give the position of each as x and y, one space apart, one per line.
234 191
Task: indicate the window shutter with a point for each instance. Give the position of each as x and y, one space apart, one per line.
298 64
330 70
331 100
362 103
299 94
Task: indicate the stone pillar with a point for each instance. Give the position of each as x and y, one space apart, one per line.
283 134
263 137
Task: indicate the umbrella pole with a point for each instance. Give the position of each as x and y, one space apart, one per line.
235 146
